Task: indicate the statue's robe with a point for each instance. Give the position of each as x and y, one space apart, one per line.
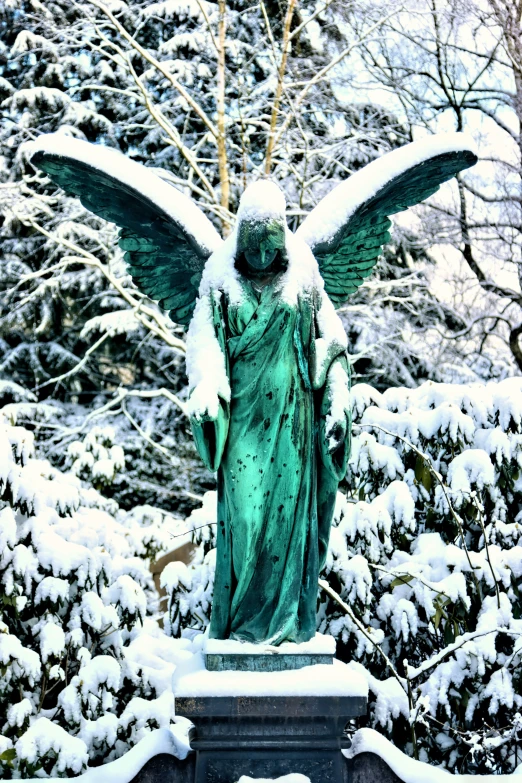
278 468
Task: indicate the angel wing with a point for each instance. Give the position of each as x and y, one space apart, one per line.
347 229
165 236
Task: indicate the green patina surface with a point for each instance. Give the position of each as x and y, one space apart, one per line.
262 663
277 480
277 470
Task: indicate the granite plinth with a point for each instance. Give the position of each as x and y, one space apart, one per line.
262 663
233 655
270 736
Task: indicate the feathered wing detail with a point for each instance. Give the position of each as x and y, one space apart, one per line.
166 237
348 228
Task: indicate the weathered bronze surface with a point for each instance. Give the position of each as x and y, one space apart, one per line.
220 662
278 436
273 445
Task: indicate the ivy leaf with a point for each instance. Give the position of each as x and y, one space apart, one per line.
449 633
402 580
8 756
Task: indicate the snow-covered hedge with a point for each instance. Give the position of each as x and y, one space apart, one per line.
83 674
426 554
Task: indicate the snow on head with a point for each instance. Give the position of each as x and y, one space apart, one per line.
262 199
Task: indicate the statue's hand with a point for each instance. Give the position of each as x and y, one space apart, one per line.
336 435
203 417
201 406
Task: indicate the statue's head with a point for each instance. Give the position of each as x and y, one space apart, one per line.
261 230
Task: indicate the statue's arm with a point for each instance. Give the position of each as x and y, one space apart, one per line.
207 366
335 422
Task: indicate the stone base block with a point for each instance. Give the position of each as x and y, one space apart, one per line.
270 736
262 663
232 655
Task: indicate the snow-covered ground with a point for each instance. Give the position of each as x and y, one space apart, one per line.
174 742
409 770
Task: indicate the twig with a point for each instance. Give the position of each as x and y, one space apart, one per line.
323 584
89 259
170 130
77 367
159 67
124 393
280 79
224 178
320 74
462 640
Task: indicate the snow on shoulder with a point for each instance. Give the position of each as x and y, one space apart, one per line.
133 175
335 209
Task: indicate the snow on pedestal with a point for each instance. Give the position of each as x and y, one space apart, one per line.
193 679
272 725
321 644
234 655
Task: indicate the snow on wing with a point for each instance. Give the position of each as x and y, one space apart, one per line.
348 228
165 236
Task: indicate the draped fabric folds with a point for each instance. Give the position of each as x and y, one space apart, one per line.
278 466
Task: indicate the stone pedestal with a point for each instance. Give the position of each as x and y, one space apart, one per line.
266 724
270 736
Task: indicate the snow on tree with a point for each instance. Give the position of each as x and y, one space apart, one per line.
90 369
78 655
425 559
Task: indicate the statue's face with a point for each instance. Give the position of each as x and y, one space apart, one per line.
260 246
263 258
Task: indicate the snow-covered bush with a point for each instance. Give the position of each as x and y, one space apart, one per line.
189 588
77 655
426 554
97 457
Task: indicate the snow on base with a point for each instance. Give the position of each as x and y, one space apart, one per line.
294 777
172 741
193 679
321 644
407 769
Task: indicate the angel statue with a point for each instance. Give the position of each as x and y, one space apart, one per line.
266 352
